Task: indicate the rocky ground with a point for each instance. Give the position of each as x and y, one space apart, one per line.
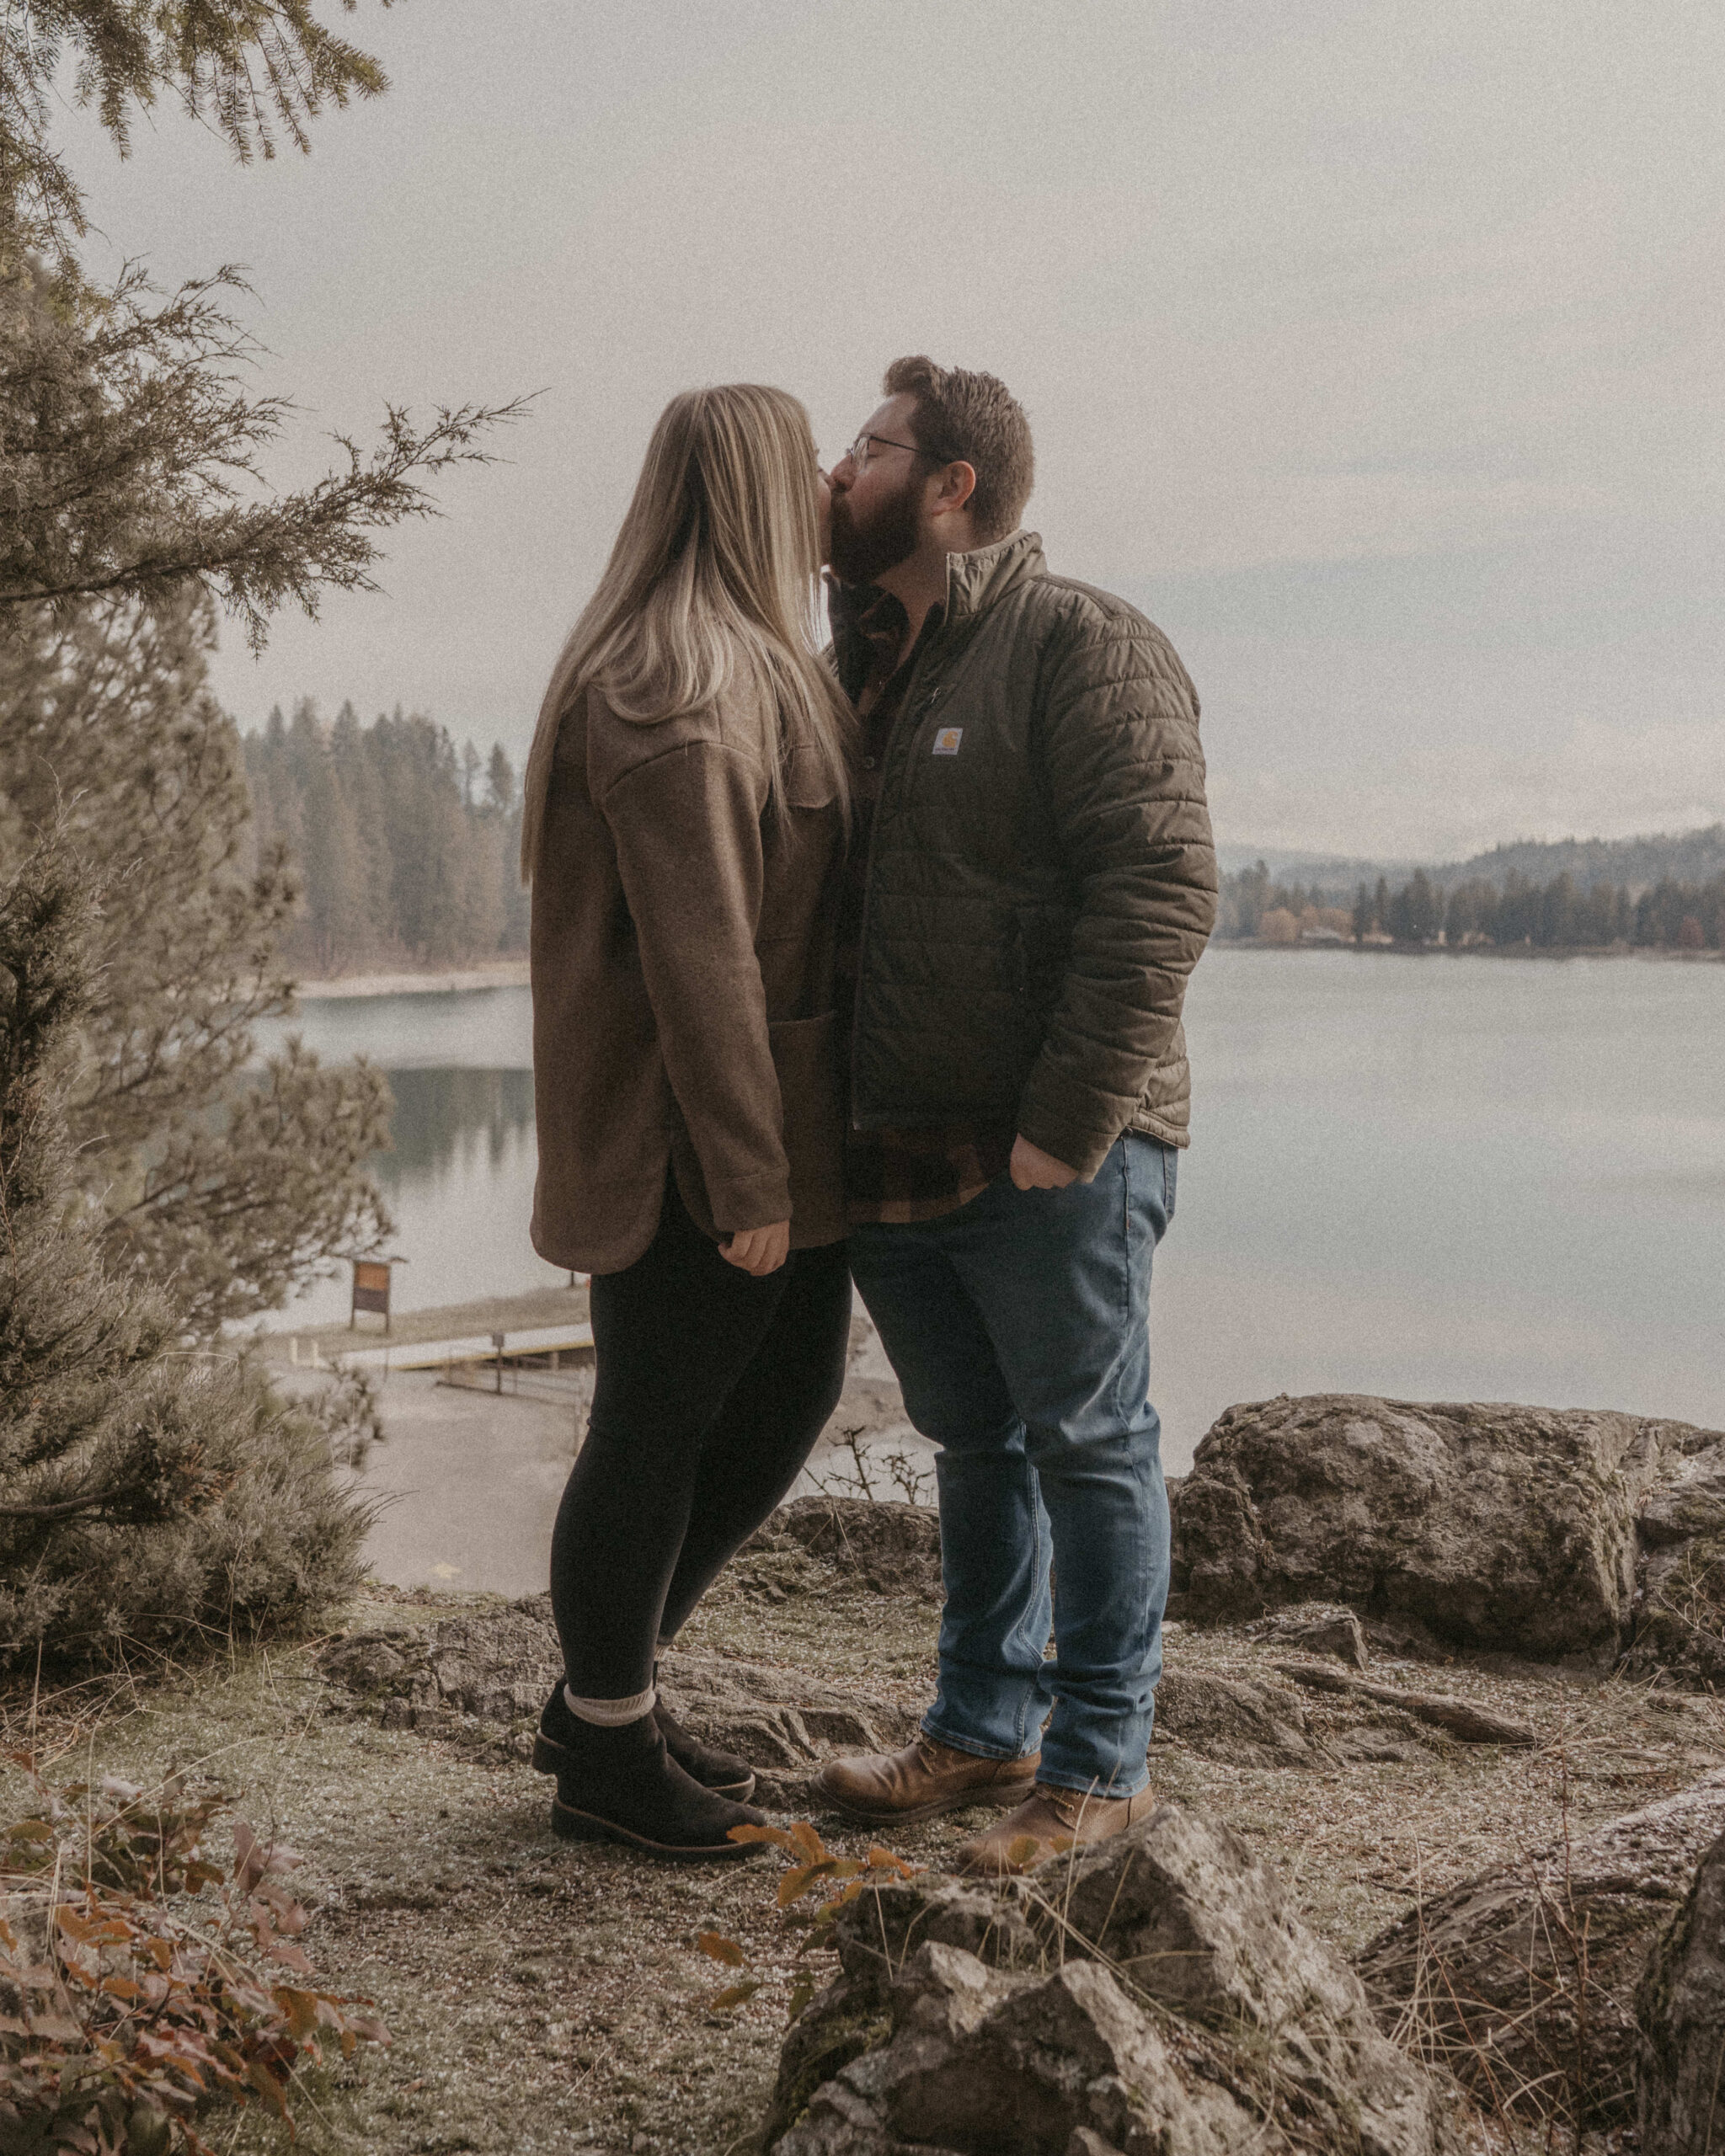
544 1996
1414 1885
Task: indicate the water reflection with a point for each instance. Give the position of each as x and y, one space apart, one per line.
459 1182
446 1119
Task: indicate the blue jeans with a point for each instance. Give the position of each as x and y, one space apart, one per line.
1019 1328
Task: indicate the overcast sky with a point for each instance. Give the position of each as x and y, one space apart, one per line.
1372 347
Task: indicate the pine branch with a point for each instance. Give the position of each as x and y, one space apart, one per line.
245 67
130 457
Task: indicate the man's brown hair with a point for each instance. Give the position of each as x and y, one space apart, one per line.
975 417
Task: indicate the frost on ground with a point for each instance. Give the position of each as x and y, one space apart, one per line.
547 1996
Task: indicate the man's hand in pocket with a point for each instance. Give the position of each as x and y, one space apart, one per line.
1031 1169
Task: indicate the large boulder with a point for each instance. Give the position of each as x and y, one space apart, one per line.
1523 1980
1184 1911
1524 1528
1165 1999
1681 2014
981 2062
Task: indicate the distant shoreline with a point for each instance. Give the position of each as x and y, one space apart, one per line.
1373 950
512 972
503 973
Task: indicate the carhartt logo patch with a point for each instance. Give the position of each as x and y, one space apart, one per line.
945 742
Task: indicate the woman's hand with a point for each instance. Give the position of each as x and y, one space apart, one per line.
759 1250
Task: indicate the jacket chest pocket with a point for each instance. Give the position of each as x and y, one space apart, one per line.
963 782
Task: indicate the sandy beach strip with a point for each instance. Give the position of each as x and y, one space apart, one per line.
504 973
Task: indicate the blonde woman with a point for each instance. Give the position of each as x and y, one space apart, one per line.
684 833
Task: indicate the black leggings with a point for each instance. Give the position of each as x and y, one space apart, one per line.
711 1388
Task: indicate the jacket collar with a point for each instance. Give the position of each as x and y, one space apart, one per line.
976 580
974 583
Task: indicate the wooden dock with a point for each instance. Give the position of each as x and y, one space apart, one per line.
536 1341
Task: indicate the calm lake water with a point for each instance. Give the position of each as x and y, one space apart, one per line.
1439 1179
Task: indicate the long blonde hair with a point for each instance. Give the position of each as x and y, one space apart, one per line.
714 574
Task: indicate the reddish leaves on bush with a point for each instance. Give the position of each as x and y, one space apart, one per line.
121 2018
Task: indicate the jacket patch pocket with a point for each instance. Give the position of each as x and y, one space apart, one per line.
808 783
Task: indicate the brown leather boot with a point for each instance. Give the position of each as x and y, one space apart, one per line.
892 1788
1052 1821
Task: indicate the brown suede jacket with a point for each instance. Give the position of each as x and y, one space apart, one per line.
682 985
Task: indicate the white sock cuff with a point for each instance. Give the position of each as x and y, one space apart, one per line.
611 1714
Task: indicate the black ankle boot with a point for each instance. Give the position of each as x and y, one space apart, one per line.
721 1772
621 1785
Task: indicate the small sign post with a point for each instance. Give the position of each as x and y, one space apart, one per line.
371 1290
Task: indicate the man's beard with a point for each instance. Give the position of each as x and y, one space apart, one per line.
862 551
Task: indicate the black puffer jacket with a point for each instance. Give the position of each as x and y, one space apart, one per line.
1041 875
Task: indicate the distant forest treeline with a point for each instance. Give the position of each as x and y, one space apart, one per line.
406 844
1695 856
1677 857
406 848
1562 915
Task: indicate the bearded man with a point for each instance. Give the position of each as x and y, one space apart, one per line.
1033 882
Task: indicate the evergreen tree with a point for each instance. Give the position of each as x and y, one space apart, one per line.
232 1188
1596 911
328 857
146 1496
356 777
129 452
246 68
1424 910
483 909
396 863
1557 919
1517 910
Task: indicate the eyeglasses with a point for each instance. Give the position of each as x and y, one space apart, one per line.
859 452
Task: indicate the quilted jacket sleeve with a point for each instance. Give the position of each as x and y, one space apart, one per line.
686 826
1124 774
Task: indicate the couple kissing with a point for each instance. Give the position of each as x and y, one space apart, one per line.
861 959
